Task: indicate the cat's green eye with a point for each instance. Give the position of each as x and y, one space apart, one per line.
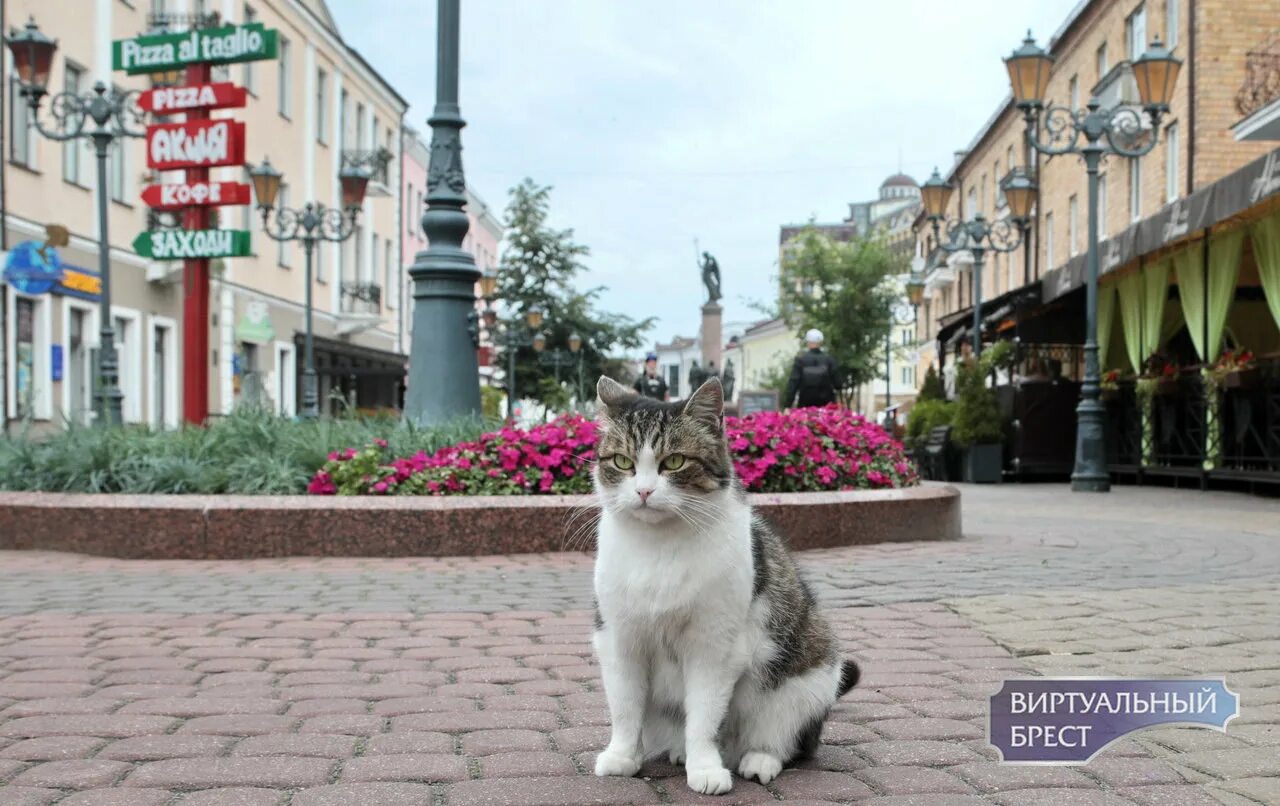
673 462
622 462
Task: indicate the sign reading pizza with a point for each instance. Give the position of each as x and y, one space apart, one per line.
171 100
195 144
195 194
177 244
233 43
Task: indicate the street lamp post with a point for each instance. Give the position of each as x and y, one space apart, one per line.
113 116
310 225
444 379
915 295
512 337
978 235
1119 131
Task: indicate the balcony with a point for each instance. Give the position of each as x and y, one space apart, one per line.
377 162
361 308
1118 89
1258 100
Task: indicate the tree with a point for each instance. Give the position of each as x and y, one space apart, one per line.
932 388
539 267
844 290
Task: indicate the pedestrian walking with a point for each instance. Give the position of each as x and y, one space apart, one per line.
814 376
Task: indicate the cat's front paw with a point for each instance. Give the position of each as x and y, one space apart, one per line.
761 766
611 762
709 780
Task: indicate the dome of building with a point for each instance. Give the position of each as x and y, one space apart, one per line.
899 186
899 180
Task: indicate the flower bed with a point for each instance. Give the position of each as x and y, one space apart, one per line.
795 451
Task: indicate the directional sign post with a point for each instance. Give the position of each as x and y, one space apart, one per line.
172 100
180 244
233 43
195 194
195 144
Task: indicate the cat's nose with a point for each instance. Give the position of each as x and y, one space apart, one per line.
644 495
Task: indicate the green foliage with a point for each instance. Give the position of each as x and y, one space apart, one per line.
541 267
1001 355
841 289
491 399
250 452
926 415
932 388
977 413
777 378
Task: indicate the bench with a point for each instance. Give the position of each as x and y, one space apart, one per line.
936 448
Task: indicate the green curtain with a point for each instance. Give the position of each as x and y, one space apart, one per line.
1266 252
1130 289
1188 267
1106 321
1155 279
1224 268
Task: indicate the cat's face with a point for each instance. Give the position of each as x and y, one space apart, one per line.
658 461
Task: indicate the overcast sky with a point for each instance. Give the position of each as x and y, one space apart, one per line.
659 122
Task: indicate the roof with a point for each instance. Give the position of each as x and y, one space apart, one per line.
677 343
899 180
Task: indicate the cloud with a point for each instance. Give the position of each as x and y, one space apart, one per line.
662 122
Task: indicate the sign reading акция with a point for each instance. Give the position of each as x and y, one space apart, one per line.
176 244
234 43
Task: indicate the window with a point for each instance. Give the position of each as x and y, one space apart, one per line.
995 172
119 167
1171 23
1171 162
283 252
1073 89
374 128
972 202
392 281
1008 158
1103 65
322 92
344 119
74 169
1102 206
21 137
285 80
1048 241
1073 224
317 265
1135 33
360 130
250 82
1135 188
25 353
982 194
905 335
416 221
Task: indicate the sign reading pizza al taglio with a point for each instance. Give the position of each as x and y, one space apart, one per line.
233 43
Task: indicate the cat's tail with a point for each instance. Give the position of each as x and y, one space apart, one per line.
849 674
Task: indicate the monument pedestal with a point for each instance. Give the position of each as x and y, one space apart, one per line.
712 338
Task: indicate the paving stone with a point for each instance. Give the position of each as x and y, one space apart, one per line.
52 748
1119 772
118 797
427 768
913 780
204 773
155 748
1059 797
916 753
302 744
409 742
374 794
743 792
580 790
89 773
1263 790
987 777
1169 795
234 796
526 764
1247 762
29 796
488 742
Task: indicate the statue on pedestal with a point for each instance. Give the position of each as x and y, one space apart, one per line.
711 277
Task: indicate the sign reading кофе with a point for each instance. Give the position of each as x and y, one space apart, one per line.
234 43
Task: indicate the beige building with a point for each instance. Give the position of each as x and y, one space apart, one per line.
316 108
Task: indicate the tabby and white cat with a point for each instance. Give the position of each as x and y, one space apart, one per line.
710 644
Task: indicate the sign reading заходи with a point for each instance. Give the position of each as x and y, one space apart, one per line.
234 43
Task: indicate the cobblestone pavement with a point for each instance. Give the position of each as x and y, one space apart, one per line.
360 682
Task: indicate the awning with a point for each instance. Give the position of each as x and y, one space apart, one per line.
1210 205
955 326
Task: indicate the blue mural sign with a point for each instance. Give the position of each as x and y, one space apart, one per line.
33 268
56 363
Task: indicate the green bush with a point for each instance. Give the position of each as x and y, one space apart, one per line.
491 398
926 415
250 452
977 413
932 388
1001 355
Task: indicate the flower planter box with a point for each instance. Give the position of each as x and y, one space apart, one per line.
1243 380
1109 394
1167 387
984 464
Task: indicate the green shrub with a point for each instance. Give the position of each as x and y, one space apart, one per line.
932 388
926 415
977 413
249 452
1001 355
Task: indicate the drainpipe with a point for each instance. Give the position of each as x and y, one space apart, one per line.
1191 97
400 225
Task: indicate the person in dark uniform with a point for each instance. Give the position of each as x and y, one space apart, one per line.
650 383
814 376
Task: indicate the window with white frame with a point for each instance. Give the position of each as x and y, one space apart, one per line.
1073 224
344 120
22 135
284 79
973 202
1048 241
1135 188
1171 145
995 173
322 106
74 165
1171 24
1073 90
408 212
1135 33
360 136
1101 59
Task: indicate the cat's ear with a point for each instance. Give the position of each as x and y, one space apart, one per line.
706 404
613 395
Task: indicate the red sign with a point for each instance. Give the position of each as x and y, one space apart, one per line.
171 100
195 144
195 194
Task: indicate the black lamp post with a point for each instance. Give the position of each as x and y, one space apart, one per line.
113 116
512 336
978 234
310 225
1119 131
563 358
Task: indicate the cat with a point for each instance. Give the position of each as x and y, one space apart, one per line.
711 646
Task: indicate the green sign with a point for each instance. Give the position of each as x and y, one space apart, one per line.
178 244
235 43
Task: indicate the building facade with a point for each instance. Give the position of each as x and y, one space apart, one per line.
312 111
